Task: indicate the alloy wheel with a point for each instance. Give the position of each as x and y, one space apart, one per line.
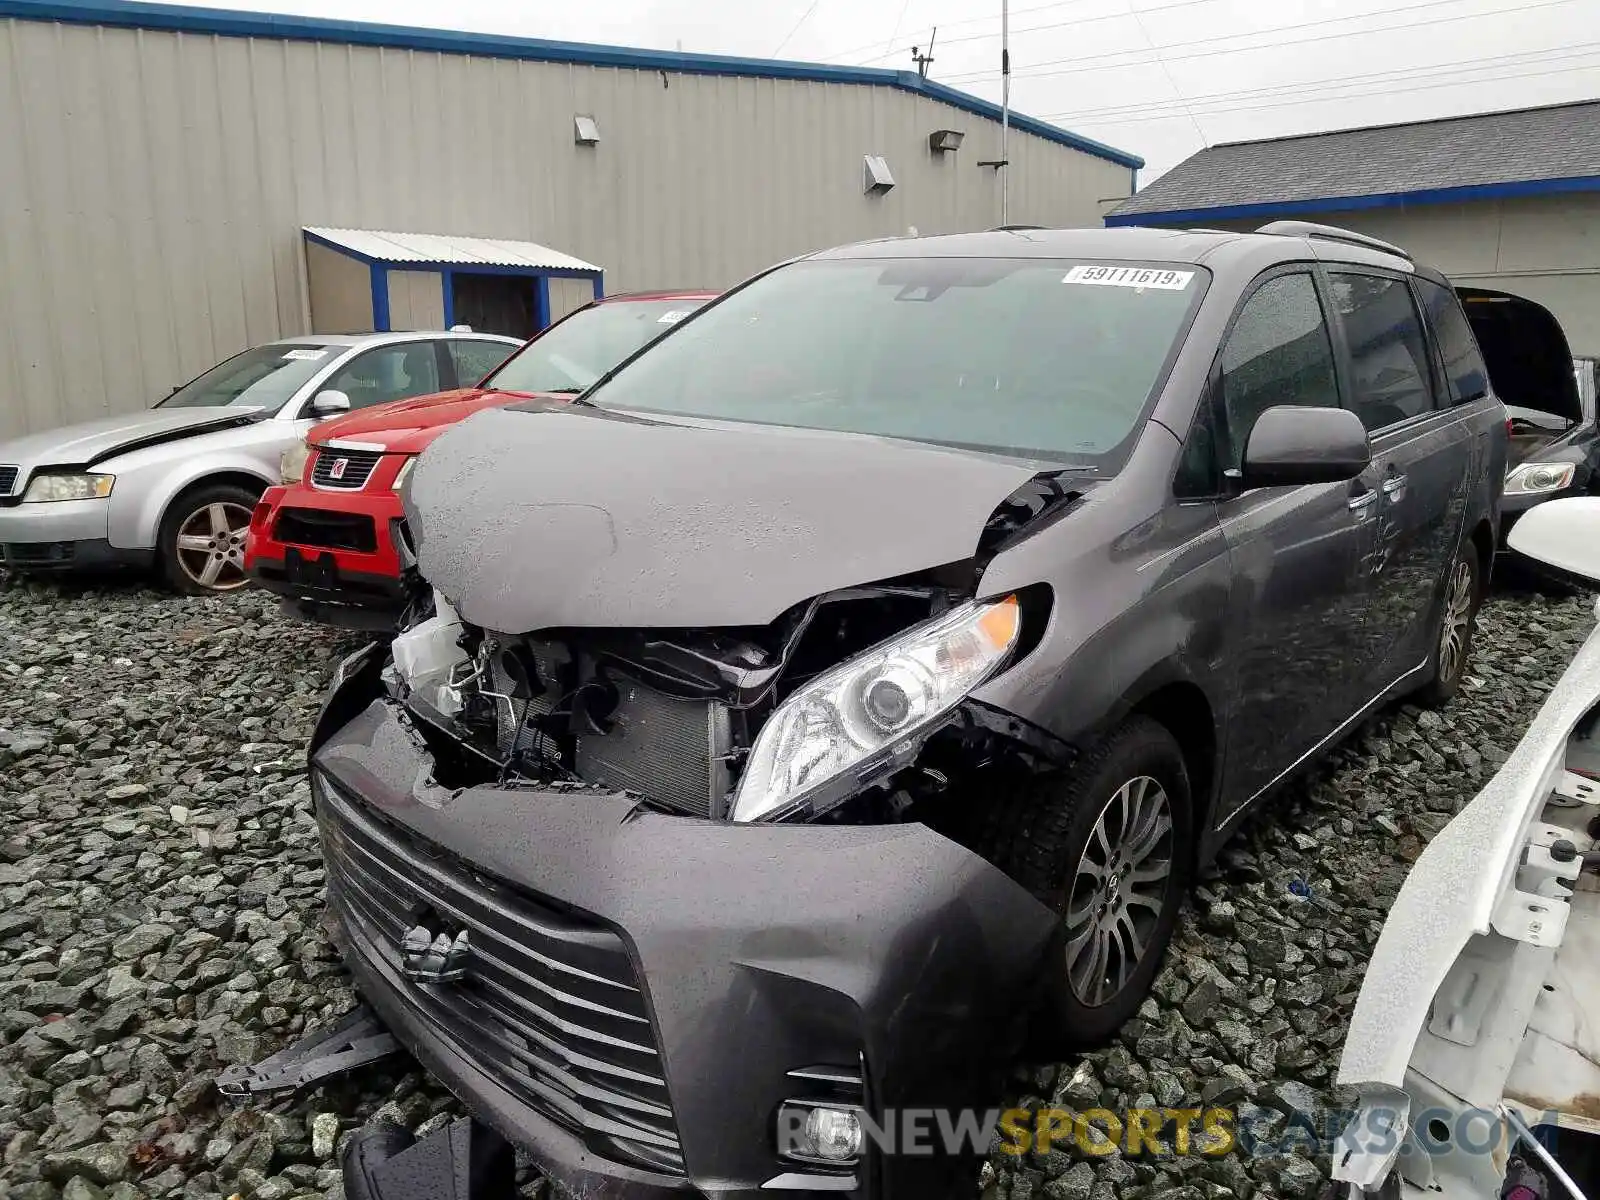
1119 889
1457 617
210 547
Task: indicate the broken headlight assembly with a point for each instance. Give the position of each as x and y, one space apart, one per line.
863 718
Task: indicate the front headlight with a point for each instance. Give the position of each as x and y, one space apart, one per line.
292 466
1532 478
403 473
68 487
862 717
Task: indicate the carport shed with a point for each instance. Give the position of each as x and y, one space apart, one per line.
371 280
1508 201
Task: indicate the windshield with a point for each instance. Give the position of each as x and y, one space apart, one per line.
1036 358
264 377
572 354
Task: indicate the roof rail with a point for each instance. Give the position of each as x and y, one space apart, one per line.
1332 233
1016 228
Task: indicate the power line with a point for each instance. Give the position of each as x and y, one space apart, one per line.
898 20
804 17
1081 21
1171 82
1423 87
1072 65
857 50
1300 88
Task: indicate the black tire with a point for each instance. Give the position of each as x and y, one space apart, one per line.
1458 615
184 565
1041 837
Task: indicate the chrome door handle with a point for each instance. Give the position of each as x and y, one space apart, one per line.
1360 504
1394 485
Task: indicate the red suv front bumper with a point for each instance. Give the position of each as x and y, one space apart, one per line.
336 556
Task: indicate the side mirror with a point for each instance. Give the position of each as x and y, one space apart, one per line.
1290 445
1563 534
329 403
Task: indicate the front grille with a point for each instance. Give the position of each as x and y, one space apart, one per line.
550 1006
8 480
332 530
22 554
672 751
344 470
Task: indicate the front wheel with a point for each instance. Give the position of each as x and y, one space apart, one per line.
201 544
1458 619
1109 847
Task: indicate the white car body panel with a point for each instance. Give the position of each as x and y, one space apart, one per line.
1481 1002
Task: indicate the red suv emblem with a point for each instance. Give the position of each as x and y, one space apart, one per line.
337 470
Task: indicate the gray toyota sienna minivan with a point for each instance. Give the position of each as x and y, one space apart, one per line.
853 681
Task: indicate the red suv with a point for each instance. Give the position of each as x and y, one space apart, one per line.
331 541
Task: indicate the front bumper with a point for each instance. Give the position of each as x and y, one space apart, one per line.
62 535
298 547
758 951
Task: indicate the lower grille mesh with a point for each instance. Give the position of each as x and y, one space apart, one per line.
550 1007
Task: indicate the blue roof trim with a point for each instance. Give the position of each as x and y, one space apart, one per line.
1510 189
223 22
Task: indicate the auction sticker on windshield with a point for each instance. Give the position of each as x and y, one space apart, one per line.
1134 277
305 353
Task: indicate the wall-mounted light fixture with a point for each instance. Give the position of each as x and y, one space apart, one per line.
875 176
585 130
944 141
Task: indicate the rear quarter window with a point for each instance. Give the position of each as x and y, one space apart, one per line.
1466 376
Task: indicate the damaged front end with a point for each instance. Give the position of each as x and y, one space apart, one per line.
710 900
851 707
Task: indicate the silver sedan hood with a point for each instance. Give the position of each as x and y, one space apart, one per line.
538 518
90 442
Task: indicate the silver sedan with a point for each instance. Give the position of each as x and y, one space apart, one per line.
173 487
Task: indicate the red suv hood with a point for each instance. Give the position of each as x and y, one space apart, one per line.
407 426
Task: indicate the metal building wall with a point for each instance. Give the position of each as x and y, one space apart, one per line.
155 184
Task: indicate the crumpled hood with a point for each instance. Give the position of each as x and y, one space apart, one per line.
541 517
90 442
406 426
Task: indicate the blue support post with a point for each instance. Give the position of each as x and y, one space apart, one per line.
380 298
541 302
599 287
449 284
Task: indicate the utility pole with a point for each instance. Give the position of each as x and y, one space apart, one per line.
924 61
1005 112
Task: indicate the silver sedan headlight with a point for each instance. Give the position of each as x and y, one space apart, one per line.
292 466
46 488
862 717
1529 479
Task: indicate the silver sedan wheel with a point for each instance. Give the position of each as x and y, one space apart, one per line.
210 547
1457 617
1118 890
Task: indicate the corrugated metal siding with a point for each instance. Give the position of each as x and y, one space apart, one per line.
416 300
341 292
156 185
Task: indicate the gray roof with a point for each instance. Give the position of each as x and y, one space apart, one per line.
1484 150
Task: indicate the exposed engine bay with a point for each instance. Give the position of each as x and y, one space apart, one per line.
676 717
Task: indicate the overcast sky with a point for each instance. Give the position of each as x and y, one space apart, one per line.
1160 78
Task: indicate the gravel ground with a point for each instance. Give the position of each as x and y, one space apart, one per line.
160 912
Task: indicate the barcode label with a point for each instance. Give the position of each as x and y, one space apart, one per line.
1133 277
